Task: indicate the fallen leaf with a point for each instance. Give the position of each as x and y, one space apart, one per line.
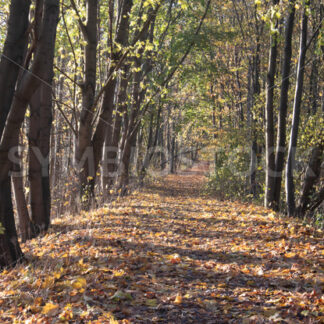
50 309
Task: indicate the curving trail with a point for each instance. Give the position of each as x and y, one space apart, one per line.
169 254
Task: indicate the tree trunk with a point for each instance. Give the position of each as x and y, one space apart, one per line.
39 140
269 122
10 251
110 164
238 82
312 175
104 129
39 147
25 225
254 144
317 201
84 154
172 150
131 135
13 51
126 160
142 68
290 187
9 247
151 145
162 143
281 138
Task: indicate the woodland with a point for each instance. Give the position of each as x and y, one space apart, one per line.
161 161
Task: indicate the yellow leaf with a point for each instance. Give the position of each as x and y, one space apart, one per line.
119 273
50 309
111 318
58 275
48 282
79 283
38 301
67 313
178 299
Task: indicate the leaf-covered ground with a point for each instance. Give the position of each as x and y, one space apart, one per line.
169 254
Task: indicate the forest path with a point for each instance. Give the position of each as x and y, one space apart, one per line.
169 254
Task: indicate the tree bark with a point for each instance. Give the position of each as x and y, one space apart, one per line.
40 124
39 148
254 144
151 145
281 138
317 201
312 176
126 160
131 135
13 52
173 166
290 187
104 129
10 252
269 122
110 162
26 227
84 154
137 96
9 248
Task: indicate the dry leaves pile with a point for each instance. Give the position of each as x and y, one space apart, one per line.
169 255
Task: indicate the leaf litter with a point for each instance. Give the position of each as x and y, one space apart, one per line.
169 254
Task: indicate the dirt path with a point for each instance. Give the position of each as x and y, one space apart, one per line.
168 254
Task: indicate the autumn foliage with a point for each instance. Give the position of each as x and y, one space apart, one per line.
169 254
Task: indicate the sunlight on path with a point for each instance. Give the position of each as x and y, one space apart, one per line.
168 254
